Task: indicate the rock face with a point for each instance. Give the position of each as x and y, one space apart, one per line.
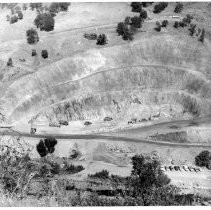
163 76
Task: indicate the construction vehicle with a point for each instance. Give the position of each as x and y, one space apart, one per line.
33 130
63 122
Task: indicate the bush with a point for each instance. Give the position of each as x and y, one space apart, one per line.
13 19
136 6
9 62
160 7
44 54
101 39
20 15
32 36
201 38
104 174
203 159
45 22
143 14
179 7
34 52
164 23
158 26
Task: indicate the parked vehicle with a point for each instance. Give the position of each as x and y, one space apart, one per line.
190 168
166 168
176 168
197 169
87 123
54 124
185 168
162 168
108 118
171 168
63 122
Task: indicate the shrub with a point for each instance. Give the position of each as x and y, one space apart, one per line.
13 19
201 38
9 62
45 22
158 26
104 174
101 39
136 6
20 15
34 52
179 7
32 36
160 7
203 159
136 22
72 169
164 23
143 14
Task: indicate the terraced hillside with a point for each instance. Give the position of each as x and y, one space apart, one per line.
162 75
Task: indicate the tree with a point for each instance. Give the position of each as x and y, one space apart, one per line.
45 22
101 39
143 14
201 38
9 62
192 29
64 6
8 18
160 7
179 7
128 33
44 54
35 6
127 20
136 22
164 23
20 15
136 6
13 19
176 24
34 52
203 159
158 26
46 146
32 36
124 31
24 7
